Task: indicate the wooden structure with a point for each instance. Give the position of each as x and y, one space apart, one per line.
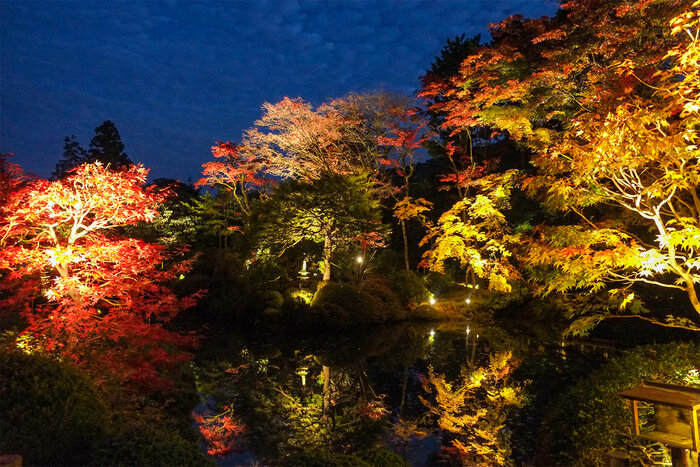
675 416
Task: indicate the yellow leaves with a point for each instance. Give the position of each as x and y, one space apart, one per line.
409 208
626 301
474 408
61 256
499 283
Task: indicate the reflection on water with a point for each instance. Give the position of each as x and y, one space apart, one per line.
339 393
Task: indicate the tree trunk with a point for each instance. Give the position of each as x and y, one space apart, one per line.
693 295
326 389
327 251
405 245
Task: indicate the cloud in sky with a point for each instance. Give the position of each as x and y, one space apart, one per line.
177 76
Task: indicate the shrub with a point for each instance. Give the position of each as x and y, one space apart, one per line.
438 283
348 305
383 458
390 304
51 413
591 419
408 286
322 458
147 444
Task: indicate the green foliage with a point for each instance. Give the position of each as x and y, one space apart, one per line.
408 286
519 293
51 413
349 305
549 374
323 458
438 283
383 458
591 419
336 210
143 443
261 273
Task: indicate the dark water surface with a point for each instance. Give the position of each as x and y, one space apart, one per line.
273 387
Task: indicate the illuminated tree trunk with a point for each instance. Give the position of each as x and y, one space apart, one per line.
326 389
327 251
693 295
405 245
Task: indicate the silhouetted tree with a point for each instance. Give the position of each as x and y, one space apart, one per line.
73 156
107 147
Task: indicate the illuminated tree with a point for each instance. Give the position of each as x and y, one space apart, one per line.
333 211
476 234
641 156
332 164
403 135
239 172
299 142
596 97
93 290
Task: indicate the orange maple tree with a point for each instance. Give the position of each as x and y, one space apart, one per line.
604 98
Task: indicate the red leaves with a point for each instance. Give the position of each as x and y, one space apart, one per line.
220 431
94 287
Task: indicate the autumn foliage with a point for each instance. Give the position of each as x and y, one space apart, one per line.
604 98
85 291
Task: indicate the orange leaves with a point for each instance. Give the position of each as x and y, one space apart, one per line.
409 208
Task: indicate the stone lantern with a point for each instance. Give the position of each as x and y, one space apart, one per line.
673 420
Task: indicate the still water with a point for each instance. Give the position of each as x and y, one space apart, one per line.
267 397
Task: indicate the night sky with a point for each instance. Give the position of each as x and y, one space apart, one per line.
176 77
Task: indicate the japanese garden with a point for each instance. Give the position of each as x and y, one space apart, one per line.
470 275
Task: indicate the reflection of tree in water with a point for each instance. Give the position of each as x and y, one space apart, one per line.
361 391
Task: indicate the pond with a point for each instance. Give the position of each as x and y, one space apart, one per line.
268 397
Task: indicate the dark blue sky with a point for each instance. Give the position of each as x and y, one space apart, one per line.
177 76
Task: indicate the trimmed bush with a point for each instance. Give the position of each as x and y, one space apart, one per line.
408 286
148 444
50 413
322 458
383 458
342 305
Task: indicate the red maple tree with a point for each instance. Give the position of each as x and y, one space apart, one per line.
84 289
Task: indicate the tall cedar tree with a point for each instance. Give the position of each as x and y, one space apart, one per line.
73 156
107 147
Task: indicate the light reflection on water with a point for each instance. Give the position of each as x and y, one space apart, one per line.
371 377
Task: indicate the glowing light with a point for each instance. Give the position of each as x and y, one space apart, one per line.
431 335
305 295
467 329
359 259
468 301
432 301
303 371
